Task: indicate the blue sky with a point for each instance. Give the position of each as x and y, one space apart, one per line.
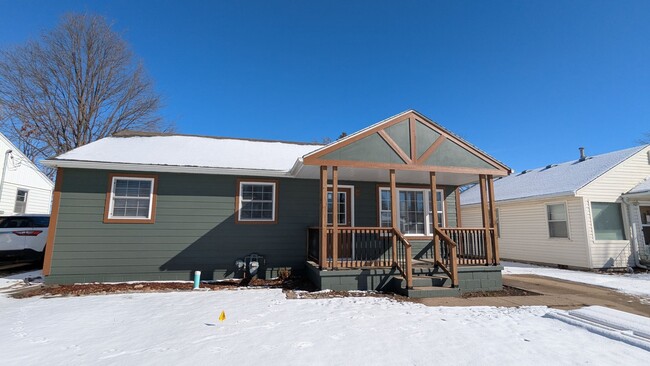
527 81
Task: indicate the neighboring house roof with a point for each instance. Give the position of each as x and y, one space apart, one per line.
23 159
643 187
552 180
189 151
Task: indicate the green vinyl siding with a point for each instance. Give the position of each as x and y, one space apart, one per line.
194 228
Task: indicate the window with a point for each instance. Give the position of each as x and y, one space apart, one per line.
557 221
498 223
342 214
21 201
15 222
132 200
608 221
257 202
414 210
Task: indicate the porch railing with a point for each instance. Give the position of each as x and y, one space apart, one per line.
387 247
363 247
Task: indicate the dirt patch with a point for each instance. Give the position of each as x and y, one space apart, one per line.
507 291
293 283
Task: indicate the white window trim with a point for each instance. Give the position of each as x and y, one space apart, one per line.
568 223
241 201
112 201
427 205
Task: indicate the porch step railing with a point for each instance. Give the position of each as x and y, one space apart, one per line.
474 247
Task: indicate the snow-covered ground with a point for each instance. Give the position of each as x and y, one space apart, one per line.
633 284
263 327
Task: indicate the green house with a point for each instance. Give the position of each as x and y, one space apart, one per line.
357 213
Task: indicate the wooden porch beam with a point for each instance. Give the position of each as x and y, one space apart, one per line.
335 216
393 212
323 217
493 219
437 257
486 217
436 144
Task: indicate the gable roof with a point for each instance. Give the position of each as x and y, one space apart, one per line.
166 150
24 159
407 141
553 180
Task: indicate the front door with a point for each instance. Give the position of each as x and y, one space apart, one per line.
645 223
344 219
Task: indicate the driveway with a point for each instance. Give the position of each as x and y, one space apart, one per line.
554 293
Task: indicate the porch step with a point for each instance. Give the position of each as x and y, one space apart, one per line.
432 291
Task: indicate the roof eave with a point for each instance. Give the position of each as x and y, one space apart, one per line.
78 164
527 198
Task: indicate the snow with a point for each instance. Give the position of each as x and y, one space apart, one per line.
634 284
642 187
192 151
564 178
263 327
19 280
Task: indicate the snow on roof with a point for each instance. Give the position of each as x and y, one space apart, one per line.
192 151
552 180
643 187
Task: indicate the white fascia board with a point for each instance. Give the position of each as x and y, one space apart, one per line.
163 168
529 198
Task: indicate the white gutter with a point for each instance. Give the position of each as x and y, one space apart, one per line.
54 163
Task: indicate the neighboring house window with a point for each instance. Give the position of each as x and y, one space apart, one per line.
608 221
21 201
257 202
557 220
498 223
132 199
413 210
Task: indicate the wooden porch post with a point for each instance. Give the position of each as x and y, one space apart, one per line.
335 216
393 211
323 217
486 218
493 219
434 213
459 221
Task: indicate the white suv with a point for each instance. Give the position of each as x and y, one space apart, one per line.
23 236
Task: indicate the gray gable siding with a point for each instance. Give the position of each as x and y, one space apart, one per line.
194 229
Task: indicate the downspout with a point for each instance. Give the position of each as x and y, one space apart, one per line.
4 172
634 242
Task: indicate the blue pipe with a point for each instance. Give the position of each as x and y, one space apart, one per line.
197 279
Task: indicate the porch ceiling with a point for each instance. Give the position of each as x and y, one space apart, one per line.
382 176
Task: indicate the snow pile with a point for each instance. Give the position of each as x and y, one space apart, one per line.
633 284
617 325
263 327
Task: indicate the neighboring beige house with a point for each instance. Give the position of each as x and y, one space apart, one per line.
24 189
579 213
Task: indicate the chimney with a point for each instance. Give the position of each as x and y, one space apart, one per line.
582 154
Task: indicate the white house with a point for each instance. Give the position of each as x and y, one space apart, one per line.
580 213
23 187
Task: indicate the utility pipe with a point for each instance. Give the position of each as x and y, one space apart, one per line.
4 172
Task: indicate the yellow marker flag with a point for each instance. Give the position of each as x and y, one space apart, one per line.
222 316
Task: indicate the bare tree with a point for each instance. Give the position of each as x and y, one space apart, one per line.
76 84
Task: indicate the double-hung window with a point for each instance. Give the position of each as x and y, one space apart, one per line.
21 201
257 202
413 211
557 218
131 199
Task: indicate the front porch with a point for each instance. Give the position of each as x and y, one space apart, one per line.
414 249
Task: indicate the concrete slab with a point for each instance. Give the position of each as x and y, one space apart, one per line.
555 293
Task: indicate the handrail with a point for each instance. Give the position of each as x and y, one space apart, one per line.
452 270
407 269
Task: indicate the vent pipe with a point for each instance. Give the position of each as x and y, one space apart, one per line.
582 153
